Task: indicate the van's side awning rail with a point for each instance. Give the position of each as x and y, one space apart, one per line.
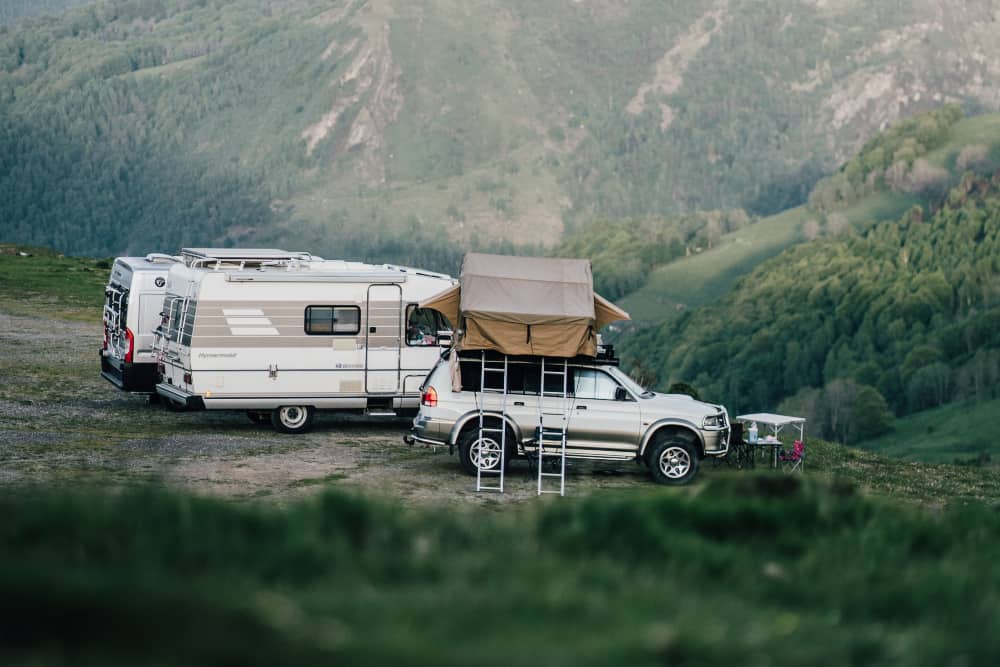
315 276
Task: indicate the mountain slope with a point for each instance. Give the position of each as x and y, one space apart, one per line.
909 309
134 124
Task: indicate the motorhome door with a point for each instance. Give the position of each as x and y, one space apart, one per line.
383 336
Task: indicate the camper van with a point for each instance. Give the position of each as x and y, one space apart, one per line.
133 300
281 337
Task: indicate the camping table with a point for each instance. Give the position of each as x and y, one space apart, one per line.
761 446
774 423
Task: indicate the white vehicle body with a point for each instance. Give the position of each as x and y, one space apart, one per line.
133 300
293 336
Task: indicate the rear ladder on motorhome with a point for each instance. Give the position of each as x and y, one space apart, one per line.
553 419
492 401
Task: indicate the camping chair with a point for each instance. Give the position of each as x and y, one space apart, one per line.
793 460
739 455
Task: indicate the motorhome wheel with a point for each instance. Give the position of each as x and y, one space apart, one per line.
258 417
292 418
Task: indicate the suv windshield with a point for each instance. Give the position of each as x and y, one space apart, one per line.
630 384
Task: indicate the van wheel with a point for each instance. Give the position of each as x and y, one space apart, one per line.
173 406
474 451
258 417
673 461
292 418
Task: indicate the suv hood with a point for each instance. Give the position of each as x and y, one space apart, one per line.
679 405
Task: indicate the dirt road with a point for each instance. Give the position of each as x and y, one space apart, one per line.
61 423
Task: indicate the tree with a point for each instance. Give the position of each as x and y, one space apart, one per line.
870 414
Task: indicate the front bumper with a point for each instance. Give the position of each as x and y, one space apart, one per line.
180 397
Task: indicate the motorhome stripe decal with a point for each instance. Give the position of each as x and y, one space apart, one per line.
254 331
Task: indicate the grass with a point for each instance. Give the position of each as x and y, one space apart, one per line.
863 560
35 281
962 431
706 276
752 570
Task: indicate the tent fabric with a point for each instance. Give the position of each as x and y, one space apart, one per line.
606 312
526 305
445 303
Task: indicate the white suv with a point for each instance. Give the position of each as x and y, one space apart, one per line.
609 417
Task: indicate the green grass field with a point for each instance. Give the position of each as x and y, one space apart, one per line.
862 560
36 281
701 278
705 276
963 431
750 570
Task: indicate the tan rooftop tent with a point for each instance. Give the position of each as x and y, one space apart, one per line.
526 305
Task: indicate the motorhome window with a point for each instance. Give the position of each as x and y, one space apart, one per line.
175 319
168 302
188 326
333 320
595 384
423 325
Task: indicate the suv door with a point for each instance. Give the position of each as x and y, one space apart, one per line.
604 417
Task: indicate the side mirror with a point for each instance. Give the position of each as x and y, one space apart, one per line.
621 394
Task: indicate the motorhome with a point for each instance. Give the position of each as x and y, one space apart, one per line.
133 300
281 337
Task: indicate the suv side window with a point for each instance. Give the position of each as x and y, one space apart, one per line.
591 383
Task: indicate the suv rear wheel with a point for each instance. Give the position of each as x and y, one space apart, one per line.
673 460
474 451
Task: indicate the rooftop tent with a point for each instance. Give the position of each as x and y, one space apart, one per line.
526 305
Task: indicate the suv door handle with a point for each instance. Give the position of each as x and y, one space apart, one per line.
581 407
519 403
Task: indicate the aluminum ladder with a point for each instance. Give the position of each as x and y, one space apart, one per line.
496 371
553 419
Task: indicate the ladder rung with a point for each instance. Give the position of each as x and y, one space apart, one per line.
491 430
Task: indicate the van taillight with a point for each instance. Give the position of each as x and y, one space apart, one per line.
130 339
105 337
187 378
429 397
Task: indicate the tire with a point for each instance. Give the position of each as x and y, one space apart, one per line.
257 417
470 446
673 461
173 406
292 418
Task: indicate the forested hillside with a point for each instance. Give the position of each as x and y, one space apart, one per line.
410 131
901 317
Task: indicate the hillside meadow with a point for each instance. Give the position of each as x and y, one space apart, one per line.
110 553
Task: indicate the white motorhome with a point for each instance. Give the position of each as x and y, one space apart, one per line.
282 337
133 300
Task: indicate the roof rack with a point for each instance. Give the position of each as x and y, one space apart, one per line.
195 257
155 257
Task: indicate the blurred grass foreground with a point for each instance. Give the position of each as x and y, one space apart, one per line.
742 571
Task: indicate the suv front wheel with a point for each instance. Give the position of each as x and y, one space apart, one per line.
673 460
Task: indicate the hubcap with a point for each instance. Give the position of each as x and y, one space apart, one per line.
675 462
293 416
485 454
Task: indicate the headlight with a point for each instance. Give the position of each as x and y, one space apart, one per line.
713 421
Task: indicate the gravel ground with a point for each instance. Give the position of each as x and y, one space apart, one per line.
61 423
